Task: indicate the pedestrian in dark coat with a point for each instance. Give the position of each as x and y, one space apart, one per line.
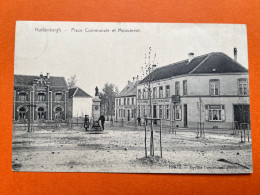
139 121
102 119
86 122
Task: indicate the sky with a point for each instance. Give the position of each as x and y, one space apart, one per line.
100 53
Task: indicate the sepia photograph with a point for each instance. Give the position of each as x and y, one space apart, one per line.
131 98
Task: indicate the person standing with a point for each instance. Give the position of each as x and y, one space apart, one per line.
102 119
86 122
139 121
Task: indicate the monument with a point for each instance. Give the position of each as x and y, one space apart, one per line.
96 111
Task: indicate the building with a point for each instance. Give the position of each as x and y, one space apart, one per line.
211 88
80 101
125 102
40 97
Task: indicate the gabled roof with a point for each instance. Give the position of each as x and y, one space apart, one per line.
26 80
78 92
216 62
129 90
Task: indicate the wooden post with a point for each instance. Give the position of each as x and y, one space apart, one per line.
248 132
161 137
244 134
151 142
241 134
145 141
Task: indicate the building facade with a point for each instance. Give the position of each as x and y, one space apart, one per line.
40 98
212 89
81 102
125 102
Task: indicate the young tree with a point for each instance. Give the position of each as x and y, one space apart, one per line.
72 81
148 76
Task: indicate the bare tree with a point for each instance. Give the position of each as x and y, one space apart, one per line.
72 81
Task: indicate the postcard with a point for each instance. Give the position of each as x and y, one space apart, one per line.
131 98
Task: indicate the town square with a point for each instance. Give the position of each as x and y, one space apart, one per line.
91 112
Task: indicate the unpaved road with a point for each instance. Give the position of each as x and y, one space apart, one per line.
122 150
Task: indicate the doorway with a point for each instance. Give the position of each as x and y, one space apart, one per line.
242 113
155 114
185 117
128 115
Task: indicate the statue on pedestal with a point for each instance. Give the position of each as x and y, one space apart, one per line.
97 93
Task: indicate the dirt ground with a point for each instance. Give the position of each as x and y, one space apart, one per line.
121 149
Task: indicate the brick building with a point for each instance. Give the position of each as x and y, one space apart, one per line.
48 95
212 88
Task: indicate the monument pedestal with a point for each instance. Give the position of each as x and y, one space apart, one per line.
96 114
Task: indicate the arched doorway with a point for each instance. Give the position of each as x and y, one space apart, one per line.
58 112
21 113
41 113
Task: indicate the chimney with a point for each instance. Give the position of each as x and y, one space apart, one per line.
129 82
48 75
153 67
190 56
134 79
235 54
41 75
137 78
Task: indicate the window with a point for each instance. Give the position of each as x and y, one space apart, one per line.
161 92
22 96
120 113
116 101
124 113
177 112
119 101
124 101
215 112
139 94
144 94
160 111
133 101
127 101
41 96
242 87
214 87
154 92
167 90
132 113
177 88
41 113
21 114
167 112
185 87
139 111
58 112
144 111
58 96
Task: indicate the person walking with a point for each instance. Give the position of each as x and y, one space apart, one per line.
102 119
